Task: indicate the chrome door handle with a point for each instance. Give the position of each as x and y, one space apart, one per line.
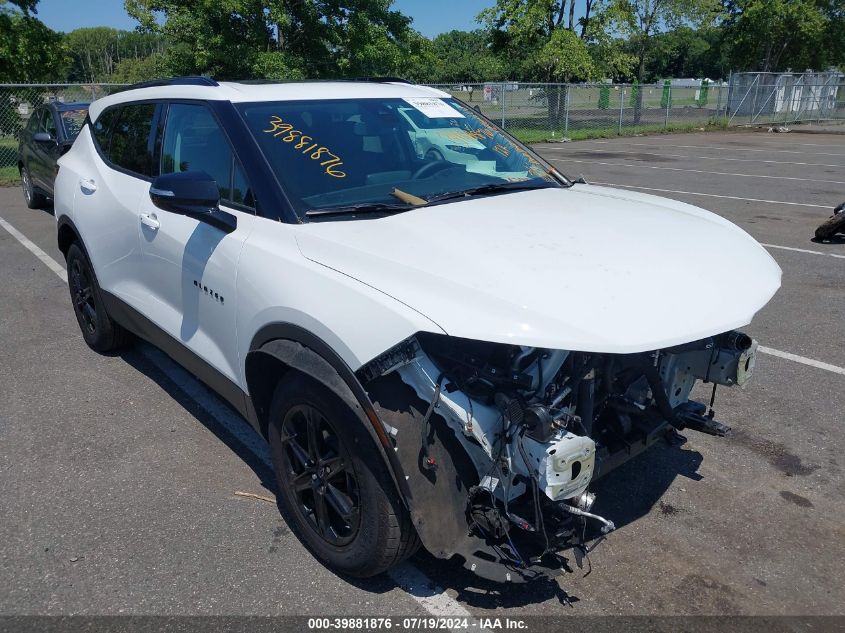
87 186
150 221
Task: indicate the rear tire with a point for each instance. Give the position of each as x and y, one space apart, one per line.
100 331
834 224
34 199
333 482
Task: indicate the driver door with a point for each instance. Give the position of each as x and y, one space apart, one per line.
191 266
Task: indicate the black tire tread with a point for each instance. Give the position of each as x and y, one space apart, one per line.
112 336
400 540
38 199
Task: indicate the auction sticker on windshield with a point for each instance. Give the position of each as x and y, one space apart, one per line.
434 108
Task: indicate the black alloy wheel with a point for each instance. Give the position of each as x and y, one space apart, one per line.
32 198
335 490
321 475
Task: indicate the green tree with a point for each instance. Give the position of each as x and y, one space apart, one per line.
466 56
641 20
29 51
135 69
538 44
687 52
280 38
774 35
97 52
25 6
520 28
565 57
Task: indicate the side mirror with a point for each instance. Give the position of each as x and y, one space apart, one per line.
43 137
192 193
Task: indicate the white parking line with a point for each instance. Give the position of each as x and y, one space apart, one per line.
48 261
802 359
803 250
693 171
711 195
417 585
683 156
730 149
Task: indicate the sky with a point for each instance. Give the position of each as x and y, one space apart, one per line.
431 17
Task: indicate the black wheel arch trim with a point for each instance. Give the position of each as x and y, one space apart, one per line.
64 225
300 349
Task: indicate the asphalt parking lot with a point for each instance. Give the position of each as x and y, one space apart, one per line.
118 473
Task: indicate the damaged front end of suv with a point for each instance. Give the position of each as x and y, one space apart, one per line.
500 442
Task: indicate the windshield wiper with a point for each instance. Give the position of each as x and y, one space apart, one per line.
499 187
363 207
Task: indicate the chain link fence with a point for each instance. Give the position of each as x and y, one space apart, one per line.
536 112
17 103
539 112
785 98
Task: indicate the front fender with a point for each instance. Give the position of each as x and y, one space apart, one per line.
282 347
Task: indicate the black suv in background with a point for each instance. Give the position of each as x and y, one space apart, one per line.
48 134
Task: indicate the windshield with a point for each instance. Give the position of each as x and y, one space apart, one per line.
344 153
72 121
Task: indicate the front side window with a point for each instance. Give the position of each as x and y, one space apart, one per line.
194 141
356 152
35 120
49 123
130 146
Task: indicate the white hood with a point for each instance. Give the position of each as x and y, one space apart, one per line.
586 268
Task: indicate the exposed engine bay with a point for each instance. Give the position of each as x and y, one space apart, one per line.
501 442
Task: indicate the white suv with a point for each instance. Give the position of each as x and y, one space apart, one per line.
436 351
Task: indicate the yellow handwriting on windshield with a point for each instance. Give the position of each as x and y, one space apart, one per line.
304 145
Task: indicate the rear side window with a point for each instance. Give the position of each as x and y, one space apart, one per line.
131 146
194 141
101 129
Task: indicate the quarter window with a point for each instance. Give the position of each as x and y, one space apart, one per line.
102 128
130 146
194 141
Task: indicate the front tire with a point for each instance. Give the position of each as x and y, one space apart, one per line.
333 482
34 199
100 331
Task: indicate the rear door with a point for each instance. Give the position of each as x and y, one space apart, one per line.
190 267
50 151
39 154
111 186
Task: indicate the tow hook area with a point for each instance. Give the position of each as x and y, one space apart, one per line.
693 417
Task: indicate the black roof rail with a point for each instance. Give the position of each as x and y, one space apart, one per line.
172 81
259 82
384 80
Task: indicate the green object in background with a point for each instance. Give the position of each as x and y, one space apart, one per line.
604 97
635 90
702 94
666 97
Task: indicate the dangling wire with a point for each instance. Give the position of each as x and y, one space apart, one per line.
424 427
